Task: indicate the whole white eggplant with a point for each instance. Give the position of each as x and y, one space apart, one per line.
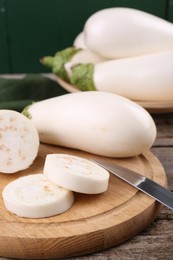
96 122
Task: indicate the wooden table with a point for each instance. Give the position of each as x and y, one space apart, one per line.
156 241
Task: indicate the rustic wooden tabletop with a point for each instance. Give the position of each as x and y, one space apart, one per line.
156 241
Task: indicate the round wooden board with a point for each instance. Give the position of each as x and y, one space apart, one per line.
94 222
154 107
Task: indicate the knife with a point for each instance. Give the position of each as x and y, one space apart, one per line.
140 182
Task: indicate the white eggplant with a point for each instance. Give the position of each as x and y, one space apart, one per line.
124 32
19 142
34 196
96 122
144 78
76 173
79 41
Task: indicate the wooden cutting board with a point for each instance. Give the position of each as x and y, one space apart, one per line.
95 222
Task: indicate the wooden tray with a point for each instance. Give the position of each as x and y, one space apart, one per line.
95 222
154 107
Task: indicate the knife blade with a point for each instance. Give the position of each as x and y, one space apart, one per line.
140 182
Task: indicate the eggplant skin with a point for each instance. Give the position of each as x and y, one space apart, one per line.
96 122
125 32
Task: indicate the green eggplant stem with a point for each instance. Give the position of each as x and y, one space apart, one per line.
82 77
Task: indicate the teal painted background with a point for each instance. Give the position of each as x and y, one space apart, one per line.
30 29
